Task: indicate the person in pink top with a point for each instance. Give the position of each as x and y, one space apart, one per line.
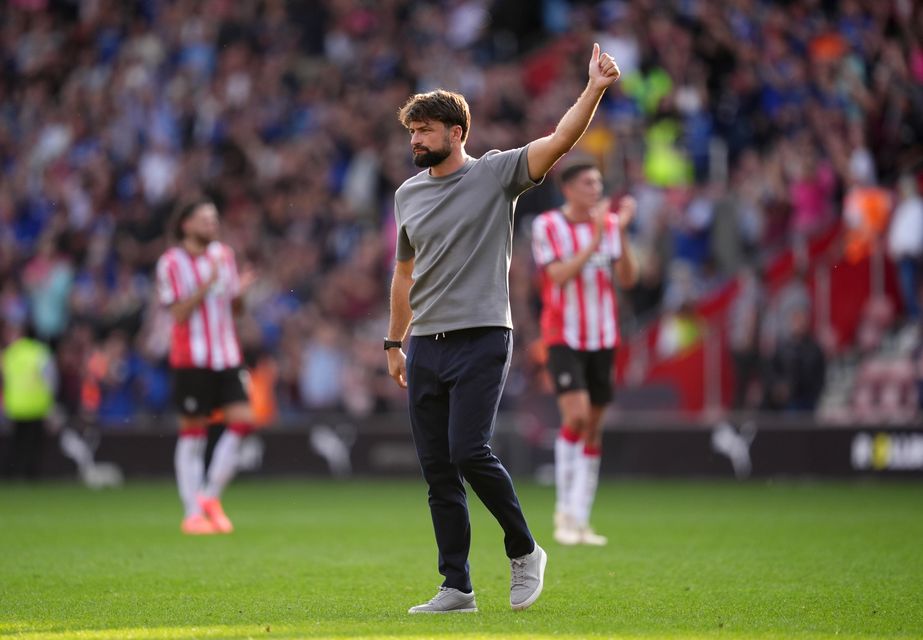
811 192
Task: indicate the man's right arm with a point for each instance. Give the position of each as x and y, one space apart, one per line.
561 271
564 270
401 315
182 309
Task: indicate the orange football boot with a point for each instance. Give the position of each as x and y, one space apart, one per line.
215 512
198 525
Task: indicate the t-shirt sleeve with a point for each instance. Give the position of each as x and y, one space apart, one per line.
167 281
404 250
545 249
512 170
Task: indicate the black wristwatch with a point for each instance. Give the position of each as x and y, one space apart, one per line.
393 344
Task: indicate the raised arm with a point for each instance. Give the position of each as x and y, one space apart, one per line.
544 152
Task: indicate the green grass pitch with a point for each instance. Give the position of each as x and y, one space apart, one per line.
321 559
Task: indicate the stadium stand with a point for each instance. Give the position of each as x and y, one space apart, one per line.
753 134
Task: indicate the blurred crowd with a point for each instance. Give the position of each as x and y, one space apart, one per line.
741 127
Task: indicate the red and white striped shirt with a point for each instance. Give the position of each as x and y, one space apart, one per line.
582 312
207 339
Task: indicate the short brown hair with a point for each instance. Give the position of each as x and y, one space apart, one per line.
440 105
573 170
183 212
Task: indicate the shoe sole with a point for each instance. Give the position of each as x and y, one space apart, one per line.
432 613
525 604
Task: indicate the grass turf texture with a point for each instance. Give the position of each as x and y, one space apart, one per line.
315 559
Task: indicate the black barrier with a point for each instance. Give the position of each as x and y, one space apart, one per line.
382 446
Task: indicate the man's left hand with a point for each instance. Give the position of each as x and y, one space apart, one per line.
603 69
627 208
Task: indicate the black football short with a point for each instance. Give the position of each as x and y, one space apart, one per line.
198 392
574 370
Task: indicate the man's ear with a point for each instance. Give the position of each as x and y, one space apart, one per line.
456 133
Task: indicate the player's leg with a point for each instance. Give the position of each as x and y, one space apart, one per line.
17 456
192 397
224 465
429 419
574 407
586 477
233 397
586 480
189 464
35 440
476 364
226 456
567 371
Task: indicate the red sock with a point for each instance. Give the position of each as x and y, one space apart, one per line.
590 450
569 435
243 429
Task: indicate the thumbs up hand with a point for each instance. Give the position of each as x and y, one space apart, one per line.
603 70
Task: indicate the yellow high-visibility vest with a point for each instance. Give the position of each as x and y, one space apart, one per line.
27 390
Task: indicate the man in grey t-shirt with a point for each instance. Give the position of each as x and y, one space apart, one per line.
451 287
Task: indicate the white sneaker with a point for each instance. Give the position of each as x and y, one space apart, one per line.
566 535
566 531
587 536
527 577
447 600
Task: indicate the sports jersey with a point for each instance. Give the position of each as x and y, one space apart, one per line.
582 312
207 339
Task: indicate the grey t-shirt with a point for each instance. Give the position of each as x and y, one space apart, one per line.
459 230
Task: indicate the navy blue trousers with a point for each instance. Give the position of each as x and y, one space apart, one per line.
455 381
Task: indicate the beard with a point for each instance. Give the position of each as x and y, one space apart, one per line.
203 239
430 158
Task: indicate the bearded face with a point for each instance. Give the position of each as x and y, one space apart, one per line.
425 157
202 226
